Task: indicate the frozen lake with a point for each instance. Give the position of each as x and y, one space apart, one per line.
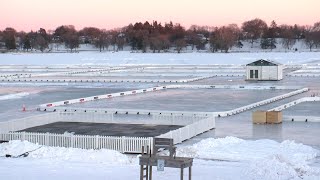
92 58
206 100
172 66
12 108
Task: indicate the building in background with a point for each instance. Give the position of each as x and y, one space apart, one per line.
264 70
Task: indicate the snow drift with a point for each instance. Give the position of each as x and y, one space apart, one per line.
14 96
237 159
104 156
266 159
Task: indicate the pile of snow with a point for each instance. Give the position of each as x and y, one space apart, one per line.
241 159
14 96
266 159
104 156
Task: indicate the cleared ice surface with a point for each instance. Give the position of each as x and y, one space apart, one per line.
311 82
209 100
304 109
241 126
12 108
113 77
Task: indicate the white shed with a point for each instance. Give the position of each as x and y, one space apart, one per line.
264 70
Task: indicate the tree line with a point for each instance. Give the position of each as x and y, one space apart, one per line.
157 37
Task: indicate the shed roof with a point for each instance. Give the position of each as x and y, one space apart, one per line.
263 62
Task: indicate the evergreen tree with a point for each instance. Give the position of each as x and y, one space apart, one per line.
26 43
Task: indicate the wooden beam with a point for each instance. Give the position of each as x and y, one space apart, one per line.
181 174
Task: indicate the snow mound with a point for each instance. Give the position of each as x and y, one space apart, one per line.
278 167
266 159
104 156
14 96
235 149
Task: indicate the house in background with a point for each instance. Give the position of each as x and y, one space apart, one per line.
264 70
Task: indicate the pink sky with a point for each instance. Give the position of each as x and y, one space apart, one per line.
32 14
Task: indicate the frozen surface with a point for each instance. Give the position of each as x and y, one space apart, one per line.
311 82
304 109
157 58
115 77
11 105
14 96
206 100
241 126
226 158
257 157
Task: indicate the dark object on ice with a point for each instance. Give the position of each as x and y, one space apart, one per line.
1 141
21 155
26 154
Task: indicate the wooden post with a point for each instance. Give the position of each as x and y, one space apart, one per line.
150 175
147 166
190 173
150 170
181 174
141 166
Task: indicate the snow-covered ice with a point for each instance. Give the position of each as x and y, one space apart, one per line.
223 158
14 96
127 58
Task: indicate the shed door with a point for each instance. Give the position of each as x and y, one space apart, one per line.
251 74
256 74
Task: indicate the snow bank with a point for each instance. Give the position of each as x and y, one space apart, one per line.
266 159
14 96
260 160
104 156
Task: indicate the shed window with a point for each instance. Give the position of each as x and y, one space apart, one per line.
256 74
251 74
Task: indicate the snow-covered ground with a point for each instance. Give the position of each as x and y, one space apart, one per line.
14 96
125 57
224 158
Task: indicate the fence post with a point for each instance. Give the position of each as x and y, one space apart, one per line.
96 145
151 144
46 139
23 136
71 140
123 144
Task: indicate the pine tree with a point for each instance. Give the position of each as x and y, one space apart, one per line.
26 43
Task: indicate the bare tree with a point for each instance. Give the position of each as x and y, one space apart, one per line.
9 36
310 37
41 43
71 40
224 38
155 44
288 36
180 44
254 29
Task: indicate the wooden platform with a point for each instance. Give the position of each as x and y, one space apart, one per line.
177 162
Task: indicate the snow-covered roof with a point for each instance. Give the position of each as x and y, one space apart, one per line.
263 62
